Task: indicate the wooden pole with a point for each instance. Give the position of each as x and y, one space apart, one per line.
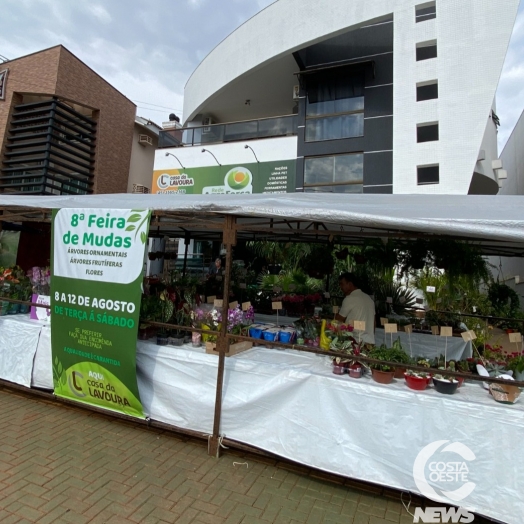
229 240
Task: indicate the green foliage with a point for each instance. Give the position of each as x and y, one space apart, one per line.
392 354
402 297
504 300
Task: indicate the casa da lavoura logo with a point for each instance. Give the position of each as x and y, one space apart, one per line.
442 473
237 181
182 180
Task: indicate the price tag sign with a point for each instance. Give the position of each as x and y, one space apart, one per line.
359 325
383 321
419 301
219 278
246 306
472 334
435 330
389 300
430 289
211 300
276 305
218 302
515 337
233 305
243 285
327 294
408 328
336 309
446 331
390 328
466 336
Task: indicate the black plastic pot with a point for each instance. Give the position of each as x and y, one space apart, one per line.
445 387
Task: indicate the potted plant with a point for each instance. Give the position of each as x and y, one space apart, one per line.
516 364
382 373
445 384
397 354
164 314
417 380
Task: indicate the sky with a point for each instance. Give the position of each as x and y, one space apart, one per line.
148 49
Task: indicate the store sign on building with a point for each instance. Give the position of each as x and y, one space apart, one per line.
262 177
96 292
3 83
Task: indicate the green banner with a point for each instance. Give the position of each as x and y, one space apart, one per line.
262 177
96 286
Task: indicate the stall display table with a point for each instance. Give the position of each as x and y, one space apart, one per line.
291 404
427 346
19 338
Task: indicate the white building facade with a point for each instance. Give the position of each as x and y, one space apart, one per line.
388 96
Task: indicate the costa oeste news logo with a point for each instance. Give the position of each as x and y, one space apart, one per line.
441 473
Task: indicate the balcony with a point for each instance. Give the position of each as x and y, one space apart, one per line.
230 132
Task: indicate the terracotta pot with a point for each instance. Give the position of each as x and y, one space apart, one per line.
399 372
416 383
382 377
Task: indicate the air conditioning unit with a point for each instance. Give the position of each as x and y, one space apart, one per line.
206 122
145 140
139 188
296 92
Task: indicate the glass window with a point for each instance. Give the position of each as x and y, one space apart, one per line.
334 174
335 105
334 127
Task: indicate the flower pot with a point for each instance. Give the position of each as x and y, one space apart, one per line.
416 383
4 307
339 369
445 387
143 334
13 309
162 340
382 377
196 339
175 341
355 371
399 372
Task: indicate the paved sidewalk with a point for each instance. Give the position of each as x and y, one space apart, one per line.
60 464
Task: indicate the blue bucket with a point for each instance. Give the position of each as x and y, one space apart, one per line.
285 336
270 336
255 332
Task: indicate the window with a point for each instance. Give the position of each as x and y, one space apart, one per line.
335 105
427 132
427 91
425 12
426 50
428 174
334 174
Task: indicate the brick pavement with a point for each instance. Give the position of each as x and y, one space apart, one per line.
66 465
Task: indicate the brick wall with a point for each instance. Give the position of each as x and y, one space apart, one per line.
115 117
56 71
34 73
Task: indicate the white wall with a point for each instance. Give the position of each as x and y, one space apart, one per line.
142 160
267 150
472 39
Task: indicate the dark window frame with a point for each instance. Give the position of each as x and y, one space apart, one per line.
428 172
428 132
427 91
360 181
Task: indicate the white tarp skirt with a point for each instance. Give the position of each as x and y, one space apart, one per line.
291 404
